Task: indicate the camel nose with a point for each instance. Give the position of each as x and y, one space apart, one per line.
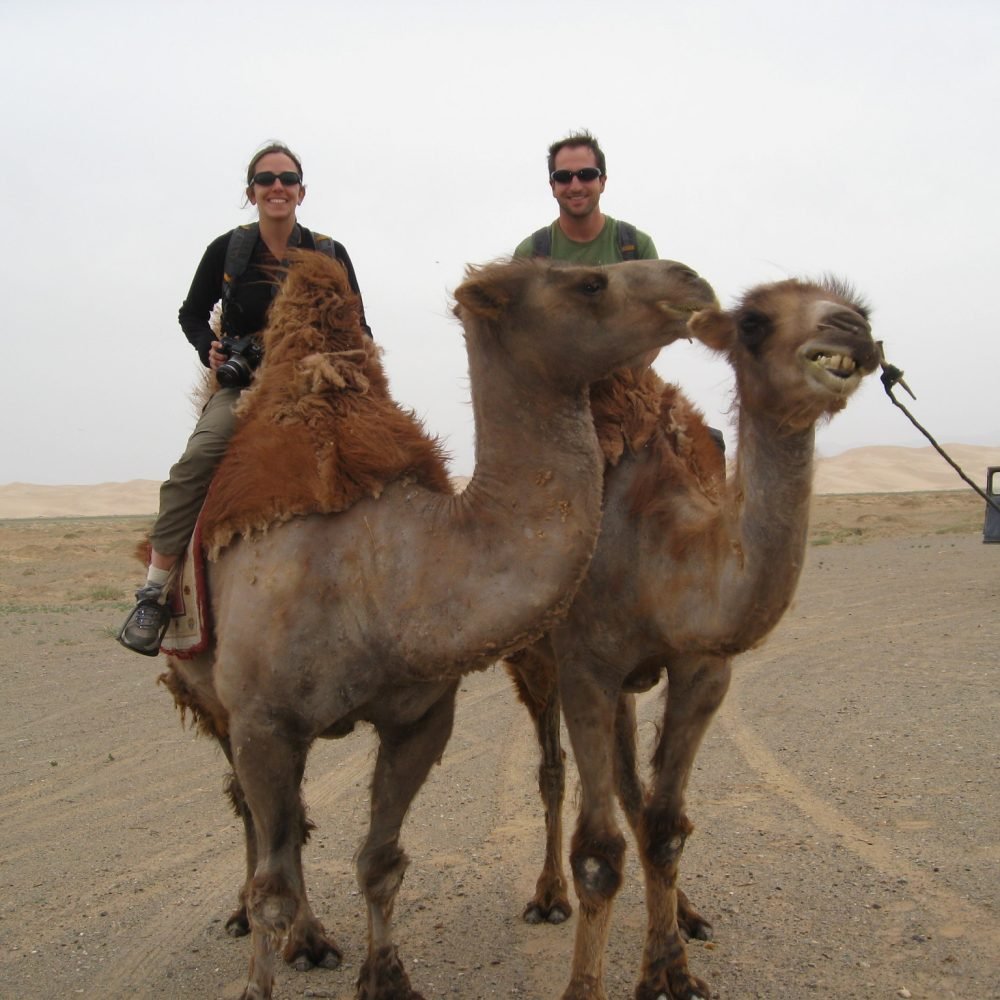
848 321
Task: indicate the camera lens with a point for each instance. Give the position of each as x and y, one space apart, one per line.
233 373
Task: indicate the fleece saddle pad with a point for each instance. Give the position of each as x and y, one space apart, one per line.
190 622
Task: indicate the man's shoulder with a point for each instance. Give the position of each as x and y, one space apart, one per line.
626 232
526 248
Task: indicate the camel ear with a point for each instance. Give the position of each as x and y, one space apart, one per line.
714 328
482 296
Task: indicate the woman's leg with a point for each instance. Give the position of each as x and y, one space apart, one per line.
181 499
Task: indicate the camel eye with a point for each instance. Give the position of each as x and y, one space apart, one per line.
754 327
593 286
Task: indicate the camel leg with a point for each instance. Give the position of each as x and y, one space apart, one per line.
630 791
631 795
308 944
598 848
697 685
533 671
551 900
238 923
269 765
405 757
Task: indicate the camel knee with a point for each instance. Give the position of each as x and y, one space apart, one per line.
662 836
380 872
271 906
597 866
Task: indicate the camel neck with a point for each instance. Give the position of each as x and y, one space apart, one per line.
532 509
772 489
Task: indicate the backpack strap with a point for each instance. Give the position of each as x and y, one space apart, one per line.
238 255
541 243
628 241
324 244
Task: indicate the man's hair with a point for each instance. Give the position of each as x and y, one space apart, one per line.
581 138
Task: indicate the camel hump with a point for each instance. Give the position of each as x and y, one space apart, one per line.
317 430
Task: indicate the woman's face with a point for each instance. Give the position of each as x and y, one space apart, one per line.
276 201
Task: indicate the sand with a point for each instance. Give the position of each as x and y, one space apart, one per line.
862 470
846 800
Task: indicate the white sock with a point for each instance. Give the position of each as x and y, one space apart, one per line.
157 577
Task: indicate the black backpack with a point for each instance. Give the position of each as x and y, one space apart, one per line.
541 241
240 250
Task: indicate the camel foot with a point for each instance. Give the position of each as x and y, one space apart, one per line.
238 924
585 988
692 924
674 984
383 977
309 947
556 912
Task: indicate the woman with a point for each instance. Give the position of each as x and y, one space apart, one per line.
239 268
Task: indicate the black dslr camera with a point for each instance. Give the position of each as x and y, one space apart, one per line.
243 356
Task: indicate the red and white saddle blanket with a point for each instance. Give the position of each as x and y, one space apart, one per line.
190 625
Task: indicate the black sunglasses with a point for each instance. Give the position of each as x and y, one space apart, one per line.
289 178
586 175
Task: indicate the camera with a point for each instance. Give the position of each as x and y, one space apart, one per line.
243 356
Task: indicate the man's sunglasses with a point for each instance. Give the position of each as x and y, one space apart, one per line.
586 175
289 178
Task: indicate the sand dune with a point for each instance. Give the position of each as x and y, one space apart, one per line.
890 469
879 469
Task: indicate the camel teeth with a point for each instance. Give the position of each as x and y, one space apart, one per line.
836 362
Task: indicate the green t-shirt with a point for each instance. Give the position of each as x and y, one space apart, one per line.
603 249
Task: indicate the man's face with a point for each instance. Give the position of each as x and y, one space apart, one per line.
577 198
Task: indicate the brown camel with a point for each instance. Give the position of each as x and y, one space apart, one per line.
690 569
373 614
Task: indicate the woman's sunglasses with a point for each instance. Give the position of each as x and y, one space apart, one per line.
288 178
586 175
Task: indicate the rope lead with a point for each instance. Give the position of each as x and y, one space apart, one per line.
892 376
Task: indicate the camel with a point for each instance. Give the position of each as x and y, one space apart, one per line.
690 570
373 613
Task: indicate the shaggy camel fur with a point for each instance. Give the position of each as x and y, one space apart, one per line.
689 571
374 613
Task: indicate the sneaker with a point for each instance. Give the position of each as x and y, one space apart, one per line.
143 629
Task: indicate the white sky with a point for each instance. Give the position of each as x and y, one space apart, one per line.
751 141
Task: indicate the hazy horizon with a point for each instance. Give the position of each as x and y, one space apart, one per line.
751 142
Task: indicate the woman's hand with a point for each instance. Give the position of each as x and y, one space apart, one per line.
215 355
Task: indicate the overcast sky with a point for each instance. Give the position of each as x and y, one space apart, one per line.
751 141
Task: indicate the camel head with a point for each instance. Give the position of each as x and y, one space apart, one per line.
799 348
574 325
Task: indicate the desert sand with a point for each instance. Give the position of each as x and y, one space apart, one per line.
884 469
847 840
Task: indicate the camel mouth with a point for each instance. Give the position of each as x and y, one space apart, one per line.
837 372
680 310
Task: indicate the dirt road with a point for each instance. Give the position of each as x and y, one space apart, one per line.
846 799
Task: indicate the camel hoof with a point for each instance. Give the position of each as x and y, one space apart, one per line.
331 960
701 932
238 925
303 963
536 914
316 952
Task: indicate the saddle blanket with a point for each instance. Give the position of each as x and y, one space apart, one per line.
190 618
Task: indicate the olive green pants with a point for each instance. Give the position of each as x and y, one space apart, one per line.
184 492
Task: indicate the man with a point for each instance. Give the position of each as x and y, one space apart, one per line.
583 234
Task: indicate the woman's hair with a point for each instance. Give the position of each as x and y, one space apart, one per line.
271 147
